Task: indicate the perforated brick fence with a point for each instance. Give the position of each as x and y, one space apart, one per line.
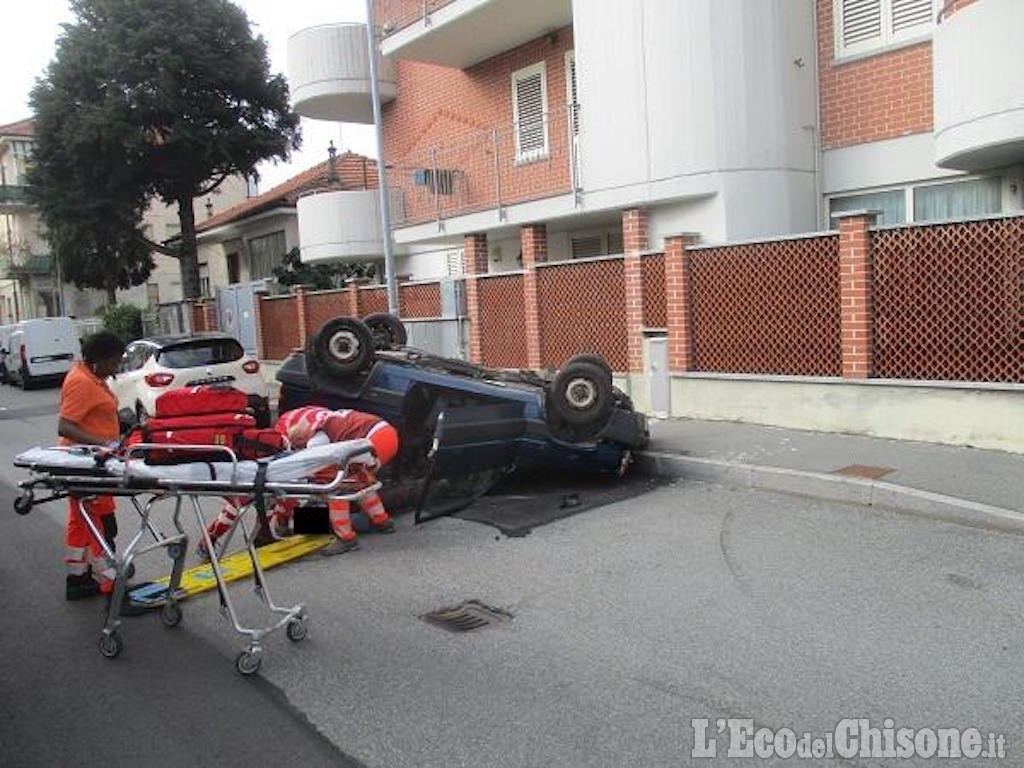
949 301
582 309
322 306
655 309
767 308
372 300
280 321
502 322
420 300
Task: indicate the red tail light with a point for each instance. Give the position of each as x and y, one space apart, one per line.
251 366
159 379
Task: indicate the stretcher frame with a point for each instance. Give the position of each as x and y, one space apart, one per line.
344 486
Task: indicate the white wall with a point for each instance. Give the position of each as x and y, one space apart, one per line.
695 93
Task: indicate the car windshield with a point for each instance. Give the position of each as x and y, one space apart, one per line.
200 352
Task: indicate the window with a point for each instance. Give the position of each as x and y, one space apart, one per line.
529 111
892 203
265 253
456 265
152 294
587 247
962 199
862 26
195 354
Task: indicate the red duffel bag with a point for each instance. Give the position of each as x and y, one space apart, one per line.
205 429
194 401
259 443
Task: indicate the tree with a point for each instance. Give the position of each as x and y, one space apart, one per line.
293 271
85 175
187 90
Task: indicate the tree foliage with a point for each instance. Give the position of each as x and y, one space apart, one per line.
124 321
186 92
293 271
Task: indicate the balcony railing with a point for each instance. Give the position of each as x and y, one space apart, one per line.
13 194
25 264
490 169
395 15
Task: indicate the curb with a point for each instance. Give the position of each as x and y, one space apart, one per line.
847 490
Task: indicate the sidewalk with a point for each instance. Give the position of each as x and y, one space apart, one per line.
946 481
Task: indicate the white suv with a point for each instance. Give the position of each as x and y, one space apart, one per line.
152 366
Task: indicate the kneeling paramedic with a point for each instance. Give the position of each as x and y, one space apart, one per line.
313 426
88 416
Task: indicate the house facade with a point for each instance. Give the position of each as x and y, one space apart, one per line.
728 119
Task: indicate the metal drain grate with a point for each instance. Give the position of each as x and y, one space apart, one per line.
467 617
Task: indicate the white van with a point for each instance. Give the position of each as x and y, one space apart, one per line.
42 350
5 345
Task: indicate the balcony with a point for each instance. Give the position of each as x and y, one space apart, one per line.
342 225
22 265
13 197
489 170
329 74
461 33
979 85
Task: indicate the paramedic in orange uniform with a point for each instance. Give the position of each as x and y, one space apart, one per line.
88 416
312 426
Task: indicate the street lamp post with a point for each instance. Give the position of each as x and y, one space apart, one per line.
382 176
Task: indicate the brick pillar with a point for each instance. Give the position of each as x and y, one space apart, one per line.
299 292
475 261
634 240
533 239
856 283
257 319
352 299
679 302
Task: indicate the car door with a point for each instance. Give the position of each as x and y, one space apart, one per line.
124 383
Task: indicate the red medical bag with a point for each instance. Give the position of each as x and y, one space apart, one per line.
259 443
196 401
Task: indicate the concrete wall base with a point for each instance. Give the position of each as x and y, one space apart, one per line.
982 416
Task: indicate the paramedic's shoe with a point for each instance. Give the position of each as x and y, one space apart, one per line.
81 587
279 529
384 526
339 547
202 553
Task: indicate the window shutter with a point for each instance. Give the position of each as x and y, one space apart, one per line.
586 247
570 74
910 15
529 93
615 244
860 21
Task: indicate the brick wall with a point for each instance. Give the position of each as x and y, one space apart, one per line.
448 118
873 98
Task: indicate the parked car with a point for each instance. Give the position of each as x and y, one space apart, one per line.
5 345
42 351
464 422
154 365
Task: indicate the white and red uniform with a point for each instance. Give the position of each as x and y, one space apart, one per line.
314 425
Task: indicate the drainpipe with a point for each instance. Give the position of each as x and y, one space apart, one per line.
382 176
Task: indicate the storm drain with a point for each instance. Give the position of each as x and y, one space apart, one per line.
467 617
866 471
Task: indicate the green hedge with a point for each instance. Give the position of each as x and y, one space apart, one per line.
124 320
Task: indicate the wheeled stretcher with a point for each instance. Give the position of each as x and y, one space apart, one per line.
83 472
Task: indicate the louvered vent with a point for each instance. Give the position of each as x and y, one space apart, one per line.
862 21
530 98
910 14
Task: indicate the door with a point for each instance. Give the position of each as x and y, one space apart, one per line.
234 268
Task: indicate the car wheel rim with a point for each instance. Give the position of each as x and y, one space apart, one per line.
581 394
344 346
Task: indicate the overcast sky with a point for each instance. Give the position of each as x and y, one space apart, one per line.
29 46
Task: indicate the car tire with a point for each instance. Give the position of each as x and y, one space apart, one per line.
581 395
141 417
343 347
388 331
597 360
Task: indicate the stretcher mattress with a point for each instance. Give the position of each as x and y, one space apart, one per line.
289 467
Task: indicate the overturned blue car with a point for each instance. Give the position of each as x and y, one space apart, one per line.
464 427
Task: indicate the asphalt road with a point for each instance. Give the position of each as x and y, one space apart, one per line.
691 601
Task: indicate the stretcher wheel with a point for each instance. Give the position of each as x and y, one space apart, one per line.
297 629
248 662
175 551
23 504
111 645
171 614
